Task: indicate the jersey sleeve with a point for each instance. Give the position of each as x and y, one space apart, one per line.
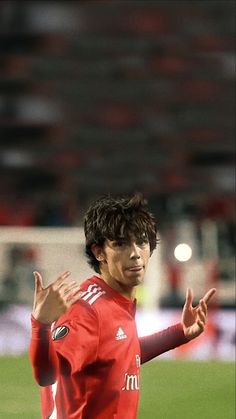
160 342
76 336
43 358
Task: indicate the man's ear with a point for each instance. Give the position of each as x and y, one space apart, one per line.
98 252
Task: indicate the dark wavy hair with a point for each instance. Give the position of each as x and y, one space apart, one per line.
113 218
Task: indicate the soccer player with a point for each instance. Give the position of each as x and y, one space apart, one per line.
84 351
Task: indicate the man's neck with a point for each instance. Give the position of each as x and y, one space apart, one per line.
128 292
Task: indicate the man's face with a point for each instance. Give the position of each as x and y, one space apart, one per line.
125 262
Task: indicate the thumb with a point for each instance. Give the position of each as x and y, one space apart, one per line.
38 281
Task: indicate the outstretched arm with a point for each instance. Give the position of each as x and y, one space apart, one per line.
49 304
192 325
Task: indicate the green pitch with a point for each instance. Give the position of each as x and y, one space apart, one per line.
169 390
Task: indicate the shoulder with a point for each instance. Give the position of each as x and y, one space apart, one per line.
93 303
92 292
91 297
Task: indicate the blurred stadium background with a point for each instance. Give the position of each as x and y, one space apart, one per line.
120 96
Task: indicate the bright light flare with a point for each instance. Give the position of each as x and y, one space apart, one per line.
183 252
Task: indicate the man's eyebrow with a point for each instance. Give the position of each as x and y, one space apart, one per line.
116 238
132 237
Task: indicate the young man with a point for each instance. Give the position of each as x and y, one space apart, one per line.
85 351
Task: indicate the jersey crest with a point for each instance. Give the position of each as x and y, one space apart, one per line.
60 332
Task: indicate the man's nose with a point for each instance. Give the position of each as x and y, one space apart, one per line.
134 251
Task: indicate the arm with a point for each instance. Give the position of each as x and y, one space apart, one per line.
158 343
49 304
192 325
42 354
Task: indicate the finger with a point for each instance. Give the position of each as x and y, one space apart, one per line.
201 325
75 296
76 291
189 298
71 288
209 295
62 278
66 285
38 281
203 306
202 316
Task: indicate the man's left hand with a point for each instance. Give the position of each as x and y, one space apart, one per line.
194 318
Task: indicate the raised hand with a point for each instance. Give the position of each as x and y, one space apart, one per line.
52 301
194 318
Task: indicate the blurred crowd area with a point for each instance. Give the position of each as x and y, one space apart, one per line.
118 96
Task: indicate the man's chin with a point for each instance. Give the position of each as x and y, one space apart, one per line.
137 279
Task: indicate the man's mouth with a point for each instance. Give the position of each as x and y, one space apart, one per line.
135 268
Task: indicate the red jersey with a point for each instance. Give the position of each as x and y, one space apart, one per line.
98 356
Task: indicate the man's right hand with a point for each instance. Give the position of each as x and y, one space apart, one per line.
55 299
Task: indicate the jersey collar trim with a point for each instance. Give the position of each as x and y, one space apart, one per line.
129 305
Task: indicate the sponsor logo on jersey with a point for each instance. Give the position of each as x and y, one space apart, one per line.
60 332
138 361
120 334
131 382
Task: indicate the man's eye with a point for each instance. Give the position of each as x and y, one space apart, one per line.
142 242
119 243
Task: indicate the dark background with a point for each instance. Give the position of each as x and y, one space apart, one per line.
113 97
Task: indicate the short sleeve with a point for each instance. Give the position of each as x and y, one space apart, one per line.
76 335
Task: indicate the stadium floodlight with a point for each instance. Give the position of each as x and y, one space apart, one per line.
183 252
